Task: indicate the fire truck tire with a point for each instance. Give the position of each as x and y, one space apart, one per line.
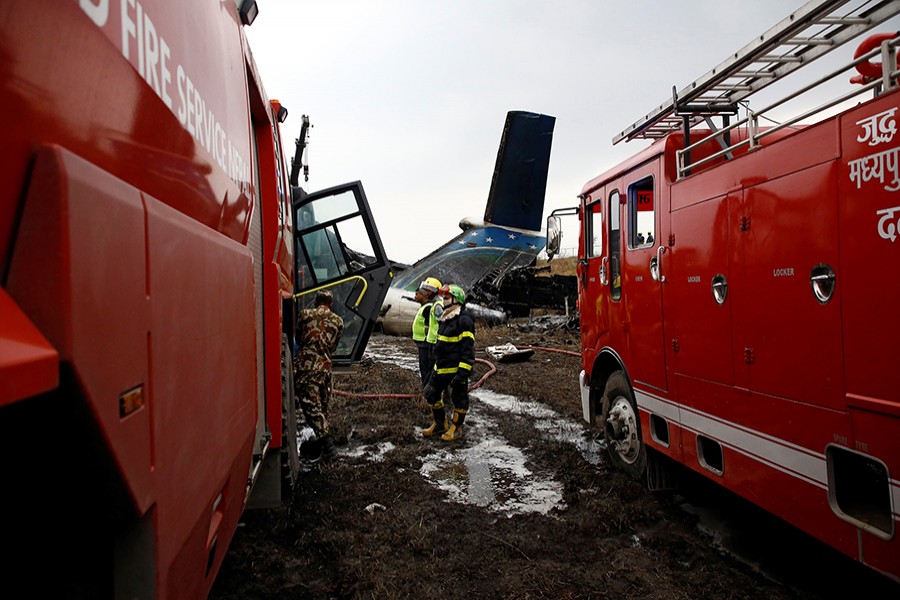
290 456
622 427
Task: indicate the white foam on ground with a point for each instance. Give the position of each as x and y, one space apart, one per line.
490 472
391 354
554 426
374 453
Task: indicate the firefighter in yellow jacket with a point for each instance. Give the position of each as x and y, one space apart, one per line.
454 355
425 326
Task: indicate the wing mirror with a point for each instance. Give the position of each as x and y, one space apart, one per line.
554 236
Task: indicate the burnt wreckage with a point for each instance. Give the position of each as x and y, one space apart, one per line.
495 259
519 290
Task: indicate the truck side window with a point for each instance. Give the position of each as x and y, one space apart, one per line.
594 224
334 240
641 214
615 245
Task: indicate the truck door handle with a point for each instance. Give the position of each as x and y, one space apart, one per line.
719 288
656 265
604 280
823 279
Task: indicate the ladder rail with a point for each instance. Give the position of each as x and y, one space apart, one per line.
891 73
758 65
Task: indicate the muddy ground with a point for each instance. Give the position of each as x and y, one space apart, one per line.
526 506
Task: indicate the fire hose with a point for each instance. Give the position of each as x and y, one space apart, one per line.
476 385
491 370
569 352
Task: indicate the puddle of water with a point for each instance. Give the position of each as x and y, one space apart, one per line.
384 353
487 470
371 453
491 473
554 426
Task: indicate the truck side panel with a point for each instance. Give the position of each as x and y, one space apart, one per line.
869 180
84 285
154 316
125 207
203 345
790 340
869 184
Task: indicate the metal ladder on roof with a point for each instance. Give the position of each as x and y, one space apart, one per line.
810 32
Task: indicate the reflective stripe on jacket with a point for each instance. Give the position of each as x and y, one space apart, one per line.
455 347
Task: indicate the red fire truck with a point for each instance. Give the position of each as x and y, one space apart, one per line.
737 293
153 255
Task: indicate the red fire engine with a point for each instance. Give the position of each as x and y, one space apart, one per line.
153 252
737 292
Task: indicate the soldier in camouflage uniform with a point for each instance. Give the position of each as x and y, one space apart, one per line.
319 330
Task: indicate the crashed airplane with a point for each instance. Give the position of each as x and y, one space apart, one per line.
498 248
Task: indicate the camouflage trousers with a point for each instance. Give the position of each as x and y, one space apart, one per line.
312 390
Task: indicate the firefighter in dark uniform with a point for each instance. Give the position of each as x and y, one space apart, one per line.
319 330
425 326
454 355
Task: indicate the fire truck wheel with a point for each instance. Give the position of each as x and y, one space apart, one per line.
290 458
622 427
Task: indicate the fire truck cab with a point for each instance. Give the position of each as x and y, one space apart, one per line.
737 287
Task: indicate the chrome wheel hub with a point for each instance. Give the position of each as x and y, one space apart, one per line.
622 430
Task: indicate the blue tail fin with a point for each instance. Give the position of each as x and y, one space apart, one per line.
517 191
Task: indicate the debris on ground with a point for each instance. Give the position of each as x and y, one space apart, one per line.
508 353
547 323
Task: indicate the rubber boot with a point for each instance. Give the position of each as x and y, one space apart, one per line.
440 423
328 449
456 427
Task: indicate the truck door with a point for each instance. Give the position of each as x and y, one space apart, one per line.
697 295
338 248
642 281
594 273
614 262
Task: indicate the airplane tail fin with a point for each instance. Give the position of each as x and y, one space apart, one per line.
517 191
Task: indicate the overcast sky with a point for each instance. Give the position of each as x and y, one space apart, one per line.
410 96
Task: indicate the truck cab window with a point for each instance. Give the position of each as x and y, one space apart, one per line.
615 245
641 214
334 240
594 224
